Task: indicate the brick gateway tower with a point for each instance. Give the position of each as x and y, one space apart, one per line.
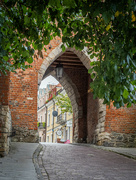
93 121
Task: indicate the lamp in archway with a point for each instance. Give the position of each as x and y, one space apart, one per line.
59 70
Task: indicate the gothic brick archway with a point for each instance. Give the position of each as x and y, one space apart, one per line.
87 112
95 122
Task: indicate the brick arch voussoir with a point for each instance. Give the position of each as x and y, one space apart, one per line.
55 53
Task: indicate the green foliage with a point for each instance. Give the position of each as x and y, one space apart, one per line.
64 103
107 28
38 124
24 27
44 124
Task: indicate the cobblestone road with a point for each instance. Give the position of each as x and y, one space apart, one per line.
67 162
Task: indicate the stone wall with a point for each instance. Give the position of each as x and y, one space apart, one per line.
24 134
100 128
5 129
95 119
115 139
92 114
79 77
74 96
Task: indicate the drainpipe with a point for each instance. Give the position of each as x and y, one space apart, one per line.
53 120
46 122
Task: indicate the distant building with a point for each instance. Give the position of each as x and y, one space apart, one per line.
50 128
43 95
59 129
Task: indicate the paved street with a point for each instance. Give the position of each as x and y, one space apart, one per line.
67 162
29 161
18 165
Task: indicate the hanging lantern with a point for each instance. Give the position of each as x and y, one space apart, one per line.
59 70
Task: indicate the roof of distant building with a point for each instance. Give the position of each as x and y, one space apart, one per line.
58 85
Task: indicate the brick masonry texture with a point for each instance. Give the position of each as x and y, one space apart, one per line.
4 89
23 98
23 104
93 122
121 120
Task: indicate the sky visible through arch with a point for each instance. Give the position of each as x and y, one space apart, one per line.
48 80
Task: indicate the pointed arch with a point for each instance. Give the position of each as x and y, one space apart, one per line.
55 53
74 96
82 117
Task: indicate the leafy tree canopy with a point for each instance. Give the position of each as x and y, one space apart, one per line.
64 103
106 27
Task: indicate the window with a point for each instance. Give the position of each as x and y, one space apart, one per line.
52 119
65 115
41 119
57 108
47 138
39 139
64 133
49 119
51 137
68 133
55 137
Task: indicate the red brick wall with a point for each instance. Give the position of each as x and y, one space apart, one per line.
23 92
23 98
4 89
121 120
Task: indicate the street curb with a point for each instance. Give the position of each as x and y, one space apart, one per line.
107 149
35 161
115 151
41 163
123 154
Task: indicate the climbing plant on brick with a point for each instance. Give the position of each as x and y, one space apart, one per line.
106 27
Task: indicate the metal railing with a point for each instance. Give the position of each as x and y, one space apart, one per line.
41 125
59 91
61 118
